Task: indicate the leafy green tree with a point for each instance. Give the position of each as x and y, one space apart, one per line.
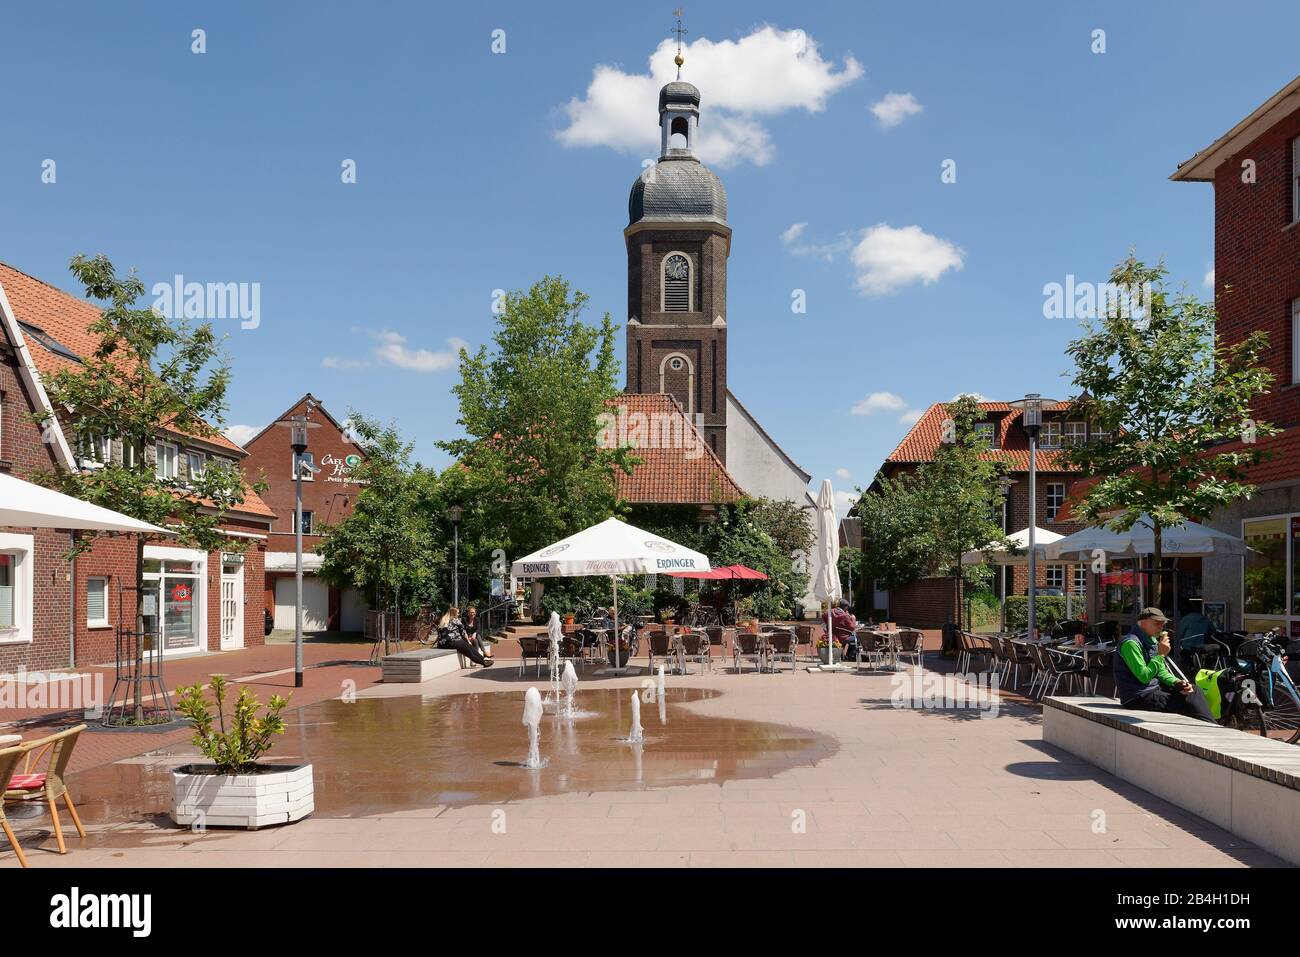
919 524
530 469
1173 404
391 545
147 373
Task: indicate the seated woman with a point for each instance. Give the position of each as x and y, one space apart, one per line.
451 634
470 625
844 629
1142 678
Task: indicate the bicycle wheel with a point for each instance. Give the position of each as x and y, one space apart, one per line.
1280 722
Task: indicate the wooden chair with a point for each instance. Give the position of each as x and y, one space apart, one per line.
34 784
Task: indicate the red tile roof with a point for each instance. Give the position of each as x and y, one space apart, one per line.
925 437
60 318
677 466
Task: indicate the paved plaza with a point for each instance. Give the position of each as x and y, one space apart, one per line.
788 769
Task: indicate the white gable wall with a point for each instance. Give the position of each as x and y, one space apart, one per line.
760 468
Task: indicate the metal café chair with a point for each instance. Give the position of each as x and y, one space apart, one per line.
696 647
747 645
781 647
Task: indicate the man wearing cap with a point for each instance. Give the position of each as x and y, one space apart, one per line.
1143 680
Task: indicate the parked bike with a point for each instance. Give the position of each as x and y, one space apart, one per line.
1255 692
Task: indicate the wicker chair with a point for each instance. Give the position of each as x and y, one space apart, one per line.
697 647
781 646
661 646
34 784
746 646
533 647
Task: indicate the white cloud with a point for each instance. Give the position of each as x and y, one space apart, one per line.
842 473
1208 281
792 236
390 349
879 402
893 108
887 259
239 434
911 417
763 74
843 502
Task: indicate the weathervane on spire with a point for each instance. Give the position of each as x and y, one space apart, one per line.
681 32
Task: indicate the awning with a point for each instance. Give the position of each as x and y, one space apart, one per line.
285 562
26 505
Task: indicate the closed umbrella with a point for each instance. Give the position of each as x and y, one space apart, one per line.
827 586
610 548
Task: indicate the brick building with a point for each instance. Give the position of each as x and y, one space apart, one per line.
1255 170
931 602
196 601
327 498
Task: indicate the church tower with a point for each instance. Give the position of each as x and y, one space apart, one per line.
678 241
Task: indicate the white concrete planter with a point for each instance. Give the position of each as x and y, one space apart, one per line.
280 796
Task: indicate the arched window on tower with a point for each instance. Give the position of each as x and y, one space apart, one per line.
679 133
677 283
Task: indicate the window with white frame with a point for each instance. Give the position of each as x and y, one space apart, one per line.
987 433
196 462
307 459
165 460
94 449
1081 579
1074 433
1100 435
1055 499
96 602
1295 341
16 583
1049 437
306 522
1054 577
129 454
1295 180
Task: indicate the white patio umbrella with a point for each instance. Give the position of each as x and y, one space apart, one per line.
1000 555
32 506
827 586
1189 540
610 548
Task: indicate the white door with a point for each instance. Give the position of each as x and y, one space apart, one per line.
232 607
353 610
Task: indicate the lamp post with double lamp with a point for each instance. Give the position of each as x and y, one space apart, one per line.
454 515
298 426
1032 407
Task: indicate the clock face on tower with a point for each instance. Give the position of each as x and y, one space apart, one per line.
677 267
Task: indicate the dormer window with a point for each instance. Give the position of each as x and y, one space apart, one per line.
1050 436
987 434
677 283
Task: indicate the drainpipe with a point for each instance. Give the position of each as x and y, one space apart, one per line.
72 604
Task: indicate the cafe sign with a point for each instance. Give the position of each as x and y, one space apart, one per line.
339 469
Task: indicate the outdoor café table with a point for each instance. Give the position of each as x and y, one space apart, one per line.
890 637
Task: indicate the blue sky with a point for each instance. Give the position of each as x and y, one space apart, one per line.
479 171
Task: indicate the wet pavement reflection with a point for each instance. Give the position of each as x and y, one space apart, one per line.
379 755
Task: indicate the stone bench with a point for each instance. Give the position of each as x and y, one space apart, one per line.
1246 784
419 665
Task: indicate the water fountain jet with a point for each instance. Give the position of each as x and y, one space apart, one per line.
634 736
570 682
532 719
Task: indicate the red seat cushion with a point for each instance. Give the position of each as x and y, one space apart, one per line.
26 782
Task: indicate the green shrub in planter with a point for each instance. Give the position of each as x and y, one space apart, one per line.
1048 609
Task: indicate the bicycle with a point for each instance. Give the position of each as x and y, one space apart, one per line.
1256 690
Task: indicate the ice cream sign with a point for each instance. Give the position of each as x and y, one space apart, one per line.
336 468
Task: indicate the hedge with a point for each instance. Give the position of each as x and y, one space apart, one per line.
1048 609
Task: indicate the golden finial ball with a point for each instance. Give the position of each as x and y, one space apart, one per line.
679 59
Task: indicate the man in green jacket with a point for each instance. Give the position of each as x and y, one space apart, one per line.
1143 680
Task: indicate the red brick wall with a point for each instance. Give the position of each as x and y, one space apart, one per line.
1257 254
23 454
329 496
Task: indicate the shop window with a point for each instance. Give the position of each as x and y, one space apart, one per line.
1266 571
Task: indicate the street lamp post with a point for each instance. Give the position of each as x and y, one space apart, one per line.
1032 406
454 515
298 426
